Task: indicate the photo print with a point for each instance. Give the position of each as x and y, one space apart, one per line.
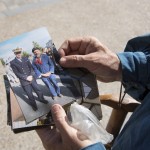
31 63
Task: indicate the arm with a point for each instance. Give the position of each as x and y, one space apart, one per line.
36 70
135 61
135 67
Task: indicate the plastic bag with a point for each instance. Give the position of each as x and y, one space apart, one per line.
85 121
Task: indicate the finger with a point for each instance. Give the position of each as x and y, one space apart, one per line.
88 61
60 119
74 46
73 61
66 52
69 45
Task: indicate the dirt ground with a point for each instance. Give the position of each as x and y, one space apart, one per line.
113 22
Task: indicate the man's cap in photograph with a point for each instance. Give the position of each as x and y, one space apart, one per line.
16 50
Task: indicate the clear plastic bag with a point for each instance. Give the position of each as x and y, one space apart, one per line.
84 120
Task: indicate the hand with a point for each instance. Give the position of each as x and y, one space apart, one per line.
30 78
63 137
46 74
89 53
43 75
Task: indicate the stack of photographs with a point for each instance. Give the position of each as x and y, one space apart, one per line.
35 81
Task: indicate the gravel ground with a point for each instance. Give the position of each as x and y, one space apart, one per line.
113 22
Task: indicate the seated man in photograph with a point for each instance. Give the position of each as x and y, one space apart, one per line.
44 69
22 68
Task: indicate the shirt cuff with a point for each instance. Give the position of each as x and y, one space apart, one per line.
96 146
134 67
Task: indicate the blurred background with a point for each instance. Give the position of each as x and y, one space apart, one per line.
113 22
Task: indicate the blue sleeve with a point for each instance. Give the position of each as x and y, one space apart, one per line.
135 60
96 146
135 67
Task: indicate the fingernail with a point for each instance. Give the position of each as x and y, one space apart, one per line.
63 59
55 108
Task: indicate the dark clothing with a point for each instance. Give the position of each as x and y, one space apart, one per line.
135 62
29 88
22 69
50 53
55 57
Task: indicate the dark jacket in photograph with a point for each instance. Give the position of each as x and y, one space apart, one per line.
22 69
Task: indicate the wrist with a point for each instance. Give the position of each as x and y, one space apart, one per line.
94 146
110 68
116 66
85 144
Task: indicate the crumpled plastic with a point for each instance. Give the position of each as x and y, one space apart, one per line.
86 122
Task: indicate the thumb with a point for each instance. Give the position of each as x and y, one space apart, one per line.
73 61
60 119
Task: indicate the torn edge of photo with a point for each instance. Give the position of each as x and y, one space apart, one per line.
35 81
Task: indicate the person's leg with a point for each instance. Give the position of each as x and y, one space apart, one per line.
52 78
28 91
49 85
38 91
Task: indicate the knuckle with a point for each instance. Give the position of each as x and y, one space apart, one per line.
77 58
